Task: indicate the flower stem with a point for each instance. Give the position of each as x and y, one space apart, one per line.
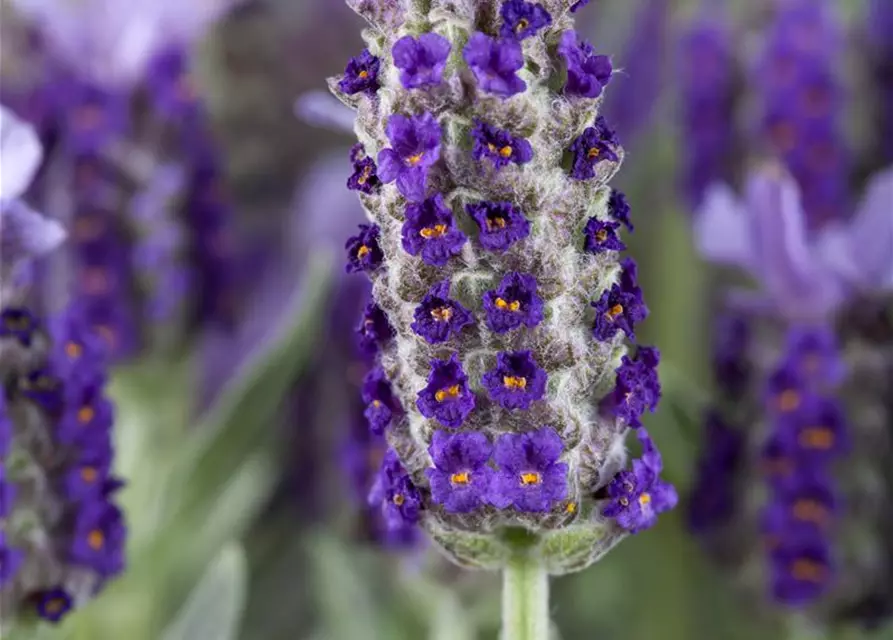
525 600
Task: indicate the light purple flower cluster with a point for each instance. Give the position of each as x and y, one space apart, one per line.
62 533
491 392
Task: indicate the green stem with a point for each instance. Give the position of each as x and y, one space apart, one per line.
525 601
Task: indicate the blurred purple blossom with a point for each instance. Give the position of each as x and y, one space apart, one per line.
803 277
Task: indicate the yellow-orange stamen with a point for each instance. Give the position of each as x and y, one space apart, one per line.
514 305
449 392
514 382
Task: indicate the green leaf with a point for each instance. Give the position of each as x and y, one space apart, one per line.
242 417
344 597
213 610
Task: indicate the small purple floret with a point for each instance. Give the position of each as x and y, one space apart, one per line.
447 397
421 61
521 19
460 479
430 231
513 303
501 224
495 63
529 477
516 382
587 73
415 147
439 317
363 252
499 146
361 74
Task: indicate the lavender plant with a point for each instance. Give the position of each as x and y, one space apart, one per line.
61 533
501 303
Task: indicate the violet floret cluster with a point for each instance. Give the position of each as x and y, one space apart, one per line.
63 534
502 306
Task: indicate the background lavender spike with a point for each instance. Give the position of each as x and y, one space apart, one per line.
800 100
707 102
879 51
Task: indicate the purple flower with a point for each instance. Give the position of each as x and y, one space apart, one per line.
785 390
17 323
99 535
494 63
637 497
587 73
804 276
394 491
499 146
430 230
814 354
801 571
415 143
85 479
460 479
637 386
438 317
10 560
447 398
803 504
363 252
374 329
421 61
513 303
621 307
521 19
361 74
618 208
816 433
529 477
516 382
364 177
79 353
600 236
501 224
594 145
381 405
53 604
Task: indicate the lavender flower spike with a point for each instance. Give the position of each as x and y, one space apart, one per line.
513 408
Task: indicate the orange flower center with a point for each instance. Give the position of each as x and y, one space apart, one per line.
514 382
463 477
530 478
514 305
442 314
433 232
449 392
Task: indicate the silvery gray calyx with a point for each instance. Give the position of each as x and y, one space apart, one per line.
502 307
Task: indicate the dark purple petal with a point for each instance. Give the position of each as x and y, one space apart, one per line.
513 303
460 479
587 73
529 477
421 61
521 19
501 224
495 63
600 236
516 382
438 317
447 397
363 252
430 231
499 146
361 74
